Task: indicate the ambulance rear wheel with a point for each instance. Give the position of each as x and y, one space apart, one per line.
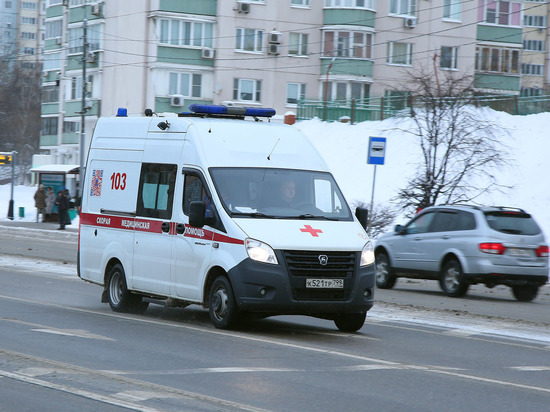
222 307
120 298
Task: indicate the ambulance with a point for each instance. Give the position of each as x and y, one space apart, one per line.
222 208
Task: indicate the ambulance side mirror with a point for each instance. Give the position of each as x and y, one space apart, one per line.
196 213
362 215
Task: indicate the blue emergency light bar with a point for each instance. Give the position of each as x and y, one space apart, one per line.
232 110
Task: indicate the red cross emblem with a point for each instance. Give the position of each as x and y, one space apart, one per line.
309 229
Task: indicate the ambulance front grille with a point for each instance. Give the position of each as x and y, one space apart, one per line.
307 264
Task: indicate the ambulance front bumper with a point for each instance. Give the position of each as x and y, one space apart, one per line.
282 289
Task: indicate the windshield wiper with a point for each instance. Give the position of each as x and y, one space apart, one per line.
253 214
310 216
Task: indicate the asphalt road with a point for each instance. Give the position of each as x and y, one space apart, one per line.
62 349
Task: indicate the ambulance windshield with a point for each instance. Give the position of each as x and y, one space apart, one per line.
280 193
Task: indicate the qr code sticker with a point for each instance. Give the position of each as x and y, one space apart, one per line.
97 178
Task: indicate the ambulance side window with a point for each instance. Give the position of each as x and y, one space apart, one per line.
156 190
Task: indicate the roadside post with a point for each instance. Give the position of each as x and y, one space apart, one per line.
7 158
375 156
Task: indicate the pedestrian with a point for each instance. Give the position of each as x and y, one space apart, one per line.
62 202
50 201
40 203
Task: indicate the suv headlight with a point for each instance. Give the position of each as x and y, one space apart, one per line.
367 254
260 251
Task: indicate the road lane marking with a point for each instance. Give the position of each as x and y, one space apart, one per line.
76 391
79 333
296 346
531 368
149 388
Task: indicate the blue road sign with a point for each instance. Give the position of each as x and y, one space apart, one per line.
377 150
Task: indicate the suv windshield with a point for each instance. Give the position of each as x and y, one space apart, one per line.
517 223
281 193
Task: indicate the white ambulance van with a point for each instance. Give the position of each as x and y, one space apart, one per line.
209 208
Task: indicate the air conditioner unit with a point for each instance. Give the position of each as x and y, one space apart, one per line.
274 37
96 9
243 7
91 57
273 49
207 53
409 22
176 100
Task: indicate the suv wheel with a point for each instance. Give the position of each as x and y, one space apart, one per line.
385 279
451 280
525 293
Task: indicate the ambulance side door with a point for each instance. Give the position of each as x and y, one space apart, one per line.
193 247
154 232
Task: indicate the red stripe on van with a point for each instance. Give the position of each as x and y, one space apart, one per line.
153 226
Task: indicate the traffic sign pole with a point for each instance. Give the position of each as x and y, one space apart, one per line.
376 156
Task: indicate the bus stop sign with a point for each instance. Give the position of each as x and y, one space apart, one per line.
377 150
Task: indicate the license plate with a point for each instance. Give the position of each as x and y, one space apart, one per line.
514 251
325 283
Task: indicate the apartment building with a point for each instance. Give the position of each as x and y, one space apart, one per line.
21 31
168 54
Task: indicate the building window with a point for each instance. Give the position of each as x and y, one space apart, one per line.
28 35
28 20
247 90
249 40
71 127
7 4
73 3
29 5
186 33
49 126
530 91
504 13
448 58
53 29
532 69
186 84
497 60
534 45
297 44
534 21
93 36
403 7
451 9
362 4
50 94
302 3
295 92
400 53
357 44
29 51
76 87
52 61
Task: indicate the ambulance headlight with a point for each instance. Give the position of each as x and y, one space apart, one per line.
260 252
367 254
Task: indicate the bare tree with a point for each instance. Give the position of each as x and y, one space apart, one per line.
20 107
461 148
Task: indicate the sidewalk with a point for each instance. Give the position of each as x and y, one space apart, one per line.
38 225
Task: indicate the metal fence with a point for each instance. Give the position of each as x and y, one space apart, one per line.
379 108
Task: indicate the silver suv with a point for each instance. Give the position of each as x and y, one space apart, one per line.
464 245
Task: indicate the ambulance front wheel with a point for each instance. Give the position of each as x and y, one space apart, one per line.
350 322
223 310
120 298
